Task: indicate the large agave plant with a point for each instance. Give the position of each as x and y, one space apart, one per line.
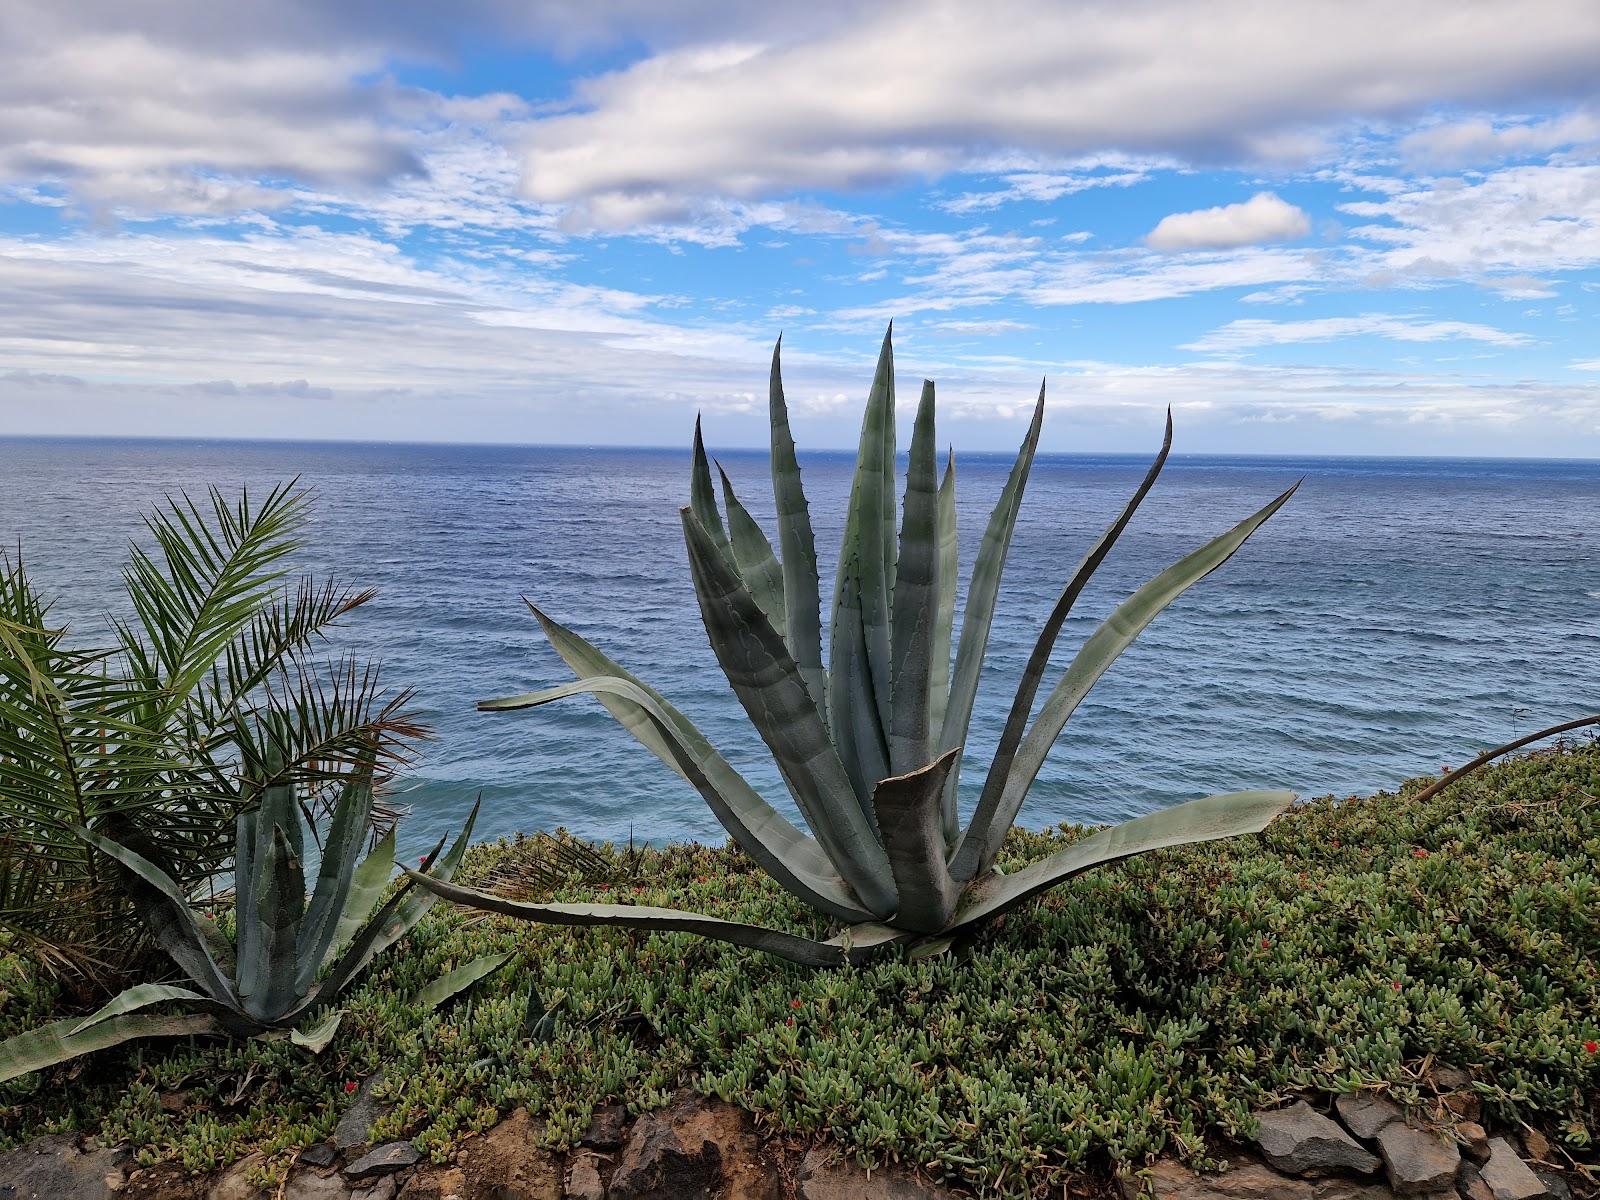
869 742
291 954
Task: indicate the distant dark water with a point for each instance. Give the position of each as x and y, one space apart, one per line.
1396 615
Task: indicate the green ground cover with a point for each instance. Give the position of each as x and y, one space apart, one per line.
1146 1007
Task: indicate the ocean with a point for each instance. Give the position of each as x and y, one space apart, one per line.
1397 615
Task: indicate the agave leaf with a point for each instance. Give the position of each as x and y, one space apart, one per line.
791 946
366 889
139 996
868 544
789 856
916 598
453 983
1197 821
279 908
943 624
166 913
982 592
859 737
753 556
768 684
1022 704
57 1043
316 1038
340 854
801 588
701 496
253 830
909 819
993 817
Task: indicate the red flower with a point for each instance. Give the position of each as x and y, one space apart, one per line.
1336 843
794 1003
1591 1047
1266 943
789 1021
605 887
349 1086
1395 985
1419 852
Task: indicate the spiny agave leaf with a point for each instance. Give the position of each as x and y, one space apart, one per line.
366 889
943 626
316 1038
141 996
863 588
982 592
279 908
789 856
790 946
395 919
701 496
753 556
768 684
993 818
1022 704
916 598
57 1043
909 820
340 854
1197 821
453 983
801 588
166 913
859 737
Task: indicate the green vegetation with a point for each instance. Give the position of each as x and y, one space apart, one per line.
290 956
1148 1006
140 738
870 747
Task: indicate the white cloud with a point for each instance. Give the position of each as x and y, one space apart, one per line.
1040 188
1455 144
1249 333
1265 217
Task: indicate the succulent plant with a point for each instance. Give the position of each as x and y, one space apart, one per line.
291 954
869 743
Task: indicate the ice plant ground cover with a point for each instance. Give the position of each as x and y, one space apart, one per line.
1147 1007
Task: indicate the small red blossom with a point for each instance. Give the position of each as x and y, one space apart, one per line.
605 887
1336 843
1395 985
794 1003
1591 1047
1419 852
1266 943
349 1086
789 1021
702 879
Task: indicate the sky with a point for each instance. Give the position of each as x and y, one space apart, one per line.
1363 227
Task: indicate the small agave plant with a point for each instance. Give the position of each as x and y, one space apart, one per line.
292 955
869 742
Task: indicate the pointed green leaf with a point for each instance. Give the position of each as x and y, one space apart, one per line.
992 820
453 983
768 685
909 819
1022 703
982 592
943 629
859 737
56 1043
316 1038
340 854
790 946
916 599
753 556
801 588
280 905
1197 821
789 856
366 889
701 496
140 996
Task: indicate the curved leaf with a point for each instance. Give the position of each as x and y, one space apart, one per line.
990 822
701 496
943 627
280 903
140 996
753 556
908 808
916 598
335 876
453 983
316 1038
57 1043
366 889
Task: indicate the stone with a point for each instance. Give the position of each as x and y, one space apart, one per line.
58 1166
1450 1079
1470 1184
1536 1144
1554 1184
383 1189
1335 1187
1465 1105
608 1128
693 1147
583 1179
826 1175
351 1131
309 1185
320 1155
1508 1177
1417 1161
384 1160
1245 1179
1299 1140
1366 1113
234 1183
1474 1140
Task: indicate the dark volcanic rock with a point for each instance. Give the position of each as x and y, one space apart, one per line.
1417 1161
57 1166
1366 1113
1301 1141
384 1160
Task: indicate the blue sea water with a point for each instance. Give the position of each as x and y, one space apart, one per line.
1397 615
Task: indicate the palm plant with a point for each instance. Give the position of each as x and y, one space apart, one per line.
291 955
140 738
870 744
